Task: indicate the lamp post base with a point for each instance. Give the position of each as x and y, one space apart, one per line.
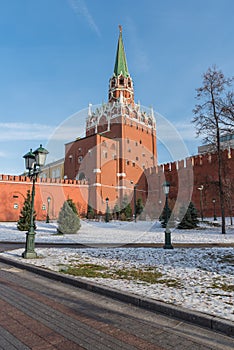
29 255
168 244
29 252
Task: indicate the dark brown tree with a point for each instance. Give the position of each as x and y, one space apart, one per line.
214 118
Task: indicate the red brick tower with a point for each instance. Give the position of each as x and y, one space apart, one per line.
120 141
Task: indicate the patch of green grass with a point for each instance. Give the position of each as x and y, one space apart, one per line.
223 286
148 275
86 270
170 282
227 259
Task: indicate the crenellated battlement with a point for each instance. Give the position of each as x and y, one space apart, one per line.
23 178
200 160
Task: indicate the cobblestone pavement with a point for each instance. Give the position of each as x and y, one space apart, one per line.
40 314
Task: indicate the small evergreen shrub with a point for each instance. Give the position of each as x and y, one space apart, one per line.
126 209
24 221
189 220
116 212
72 206
140 208
68 220
90 213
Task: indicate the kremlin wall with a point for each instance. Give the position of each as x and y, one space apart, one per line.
185 177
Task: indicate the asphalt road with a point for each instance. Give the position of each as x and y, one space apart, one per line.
38 313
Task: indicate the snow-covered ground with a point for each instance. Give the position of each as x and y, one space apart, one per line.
118 232
195 278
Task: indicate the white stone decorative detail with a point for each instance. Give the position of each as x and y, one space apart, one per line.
121 175
119 109
97 170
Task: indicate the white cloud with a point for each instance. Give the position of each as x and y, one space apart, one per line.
80 8
3 154
24 131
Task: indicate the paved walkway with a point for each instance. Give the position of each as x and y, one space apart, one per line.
41 314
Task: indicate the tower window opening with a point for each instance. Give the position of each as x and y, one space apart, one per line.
121 81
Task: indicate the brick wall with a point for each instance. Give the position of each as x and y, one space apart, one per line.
13 191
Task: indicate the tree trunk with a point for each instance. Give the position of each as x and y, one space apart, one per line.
221 192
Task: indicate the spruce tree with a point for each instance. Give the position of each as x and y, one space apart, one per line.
68 220
139 206
116 212
90 212
189 220
128 211
72 206
24 221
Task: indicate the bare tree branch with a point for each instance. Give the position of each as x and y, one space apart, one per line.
214 117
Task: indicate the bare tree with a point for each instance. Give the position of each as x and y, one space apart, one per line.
214 117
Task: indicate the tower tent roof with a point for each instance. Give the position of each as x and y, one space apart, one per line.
121 66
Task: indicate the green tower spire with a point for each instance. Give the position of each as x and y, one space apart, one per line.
121 66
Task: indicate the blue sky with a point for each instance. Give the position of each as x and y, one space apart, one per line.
57 57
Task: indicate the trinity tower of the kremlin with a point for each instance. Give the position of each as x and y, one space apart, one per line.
120 142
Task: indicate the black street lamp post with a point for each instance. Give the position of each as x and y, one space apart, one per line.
135 206
107 210
167 245
48 210
214 202
33 162
134 200
201 201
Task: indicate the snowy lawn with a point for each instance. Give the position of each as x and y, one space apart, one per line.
198 279
118 232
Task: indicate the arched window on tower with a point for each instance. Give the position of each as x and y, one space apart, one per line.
121 81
